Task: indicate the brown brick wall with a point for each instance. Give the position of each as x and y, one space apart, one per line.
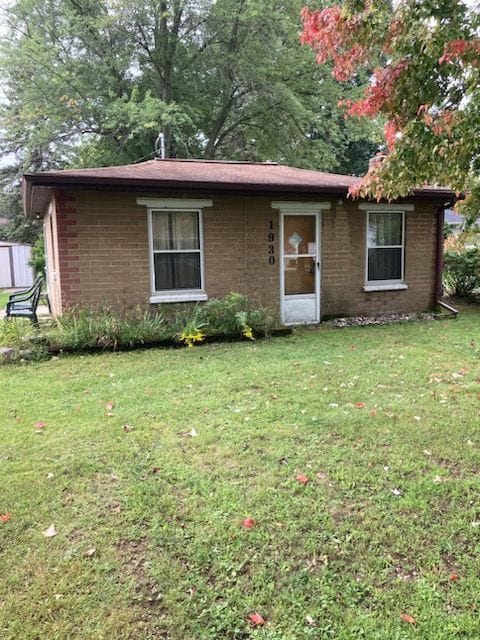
344 257
104 255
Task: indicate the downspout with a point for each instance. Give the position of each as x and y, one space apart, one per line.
439 263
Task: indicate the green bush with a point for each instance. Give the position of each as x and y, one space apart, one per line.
104 327
461 271
38 256
236 314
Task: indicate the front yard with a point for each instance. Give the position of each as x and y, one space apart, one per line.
147 464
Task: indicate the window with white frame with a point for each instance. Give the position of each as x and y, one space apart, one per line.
175 231
385 247
176 246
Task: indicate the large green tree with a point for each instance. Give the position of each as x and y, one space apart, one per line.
92 82
426 86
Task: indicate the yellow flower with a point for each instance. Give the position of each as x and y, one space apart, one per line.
248 332
191 338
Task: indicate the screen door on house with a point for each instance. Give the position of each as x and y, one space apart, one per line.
300 282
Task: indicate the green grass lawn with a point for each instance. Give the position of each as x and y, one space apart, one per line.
149 539
3 299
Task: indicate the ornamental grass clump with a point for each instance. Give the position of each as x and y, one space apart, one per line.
15 332
19 340
105 327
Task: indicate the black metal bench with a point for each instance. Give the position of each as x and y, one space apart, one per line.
23 304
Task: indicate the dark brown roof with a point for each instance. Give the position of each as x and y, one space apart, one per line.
197 176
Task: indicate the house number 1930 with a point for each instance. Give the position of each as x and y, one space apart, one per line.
271 246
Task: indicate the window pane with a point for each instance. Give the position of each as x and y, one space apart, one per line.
299 233
384 229
299 276
175 230
385 264
177 271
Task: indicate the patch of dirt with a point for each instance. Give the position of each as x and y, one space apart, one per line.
147 595
403 568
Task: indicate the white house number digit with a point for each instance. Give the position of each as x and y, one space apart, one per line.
271 246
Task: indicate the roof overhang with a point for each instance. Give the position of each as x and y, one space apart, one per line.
38 188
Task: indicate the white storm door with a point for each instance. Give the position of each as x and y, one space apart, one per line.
300 268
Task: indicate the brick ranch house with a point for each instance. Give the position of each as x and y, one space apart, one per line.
170 231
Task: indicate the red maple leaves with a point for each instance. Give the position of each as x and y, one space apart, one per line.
302 479
344 35
332 35
248 523
467 50
256 620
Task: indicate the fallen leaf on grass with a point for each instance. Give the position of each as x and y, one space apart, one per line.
406 617
109 405
50 532
156 470
248 523
359 405
40 425
5 517
127 428
90 552
301 478
453 577
321 476
256 619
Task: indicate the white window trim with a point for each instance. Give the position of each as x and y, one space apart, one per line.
176 204
294 207
397 284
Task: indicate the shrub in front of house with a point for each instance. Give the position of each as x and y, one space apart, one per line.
236 314
461 271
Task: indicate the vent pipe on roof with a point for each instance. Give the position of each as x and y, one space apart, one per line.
160 146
